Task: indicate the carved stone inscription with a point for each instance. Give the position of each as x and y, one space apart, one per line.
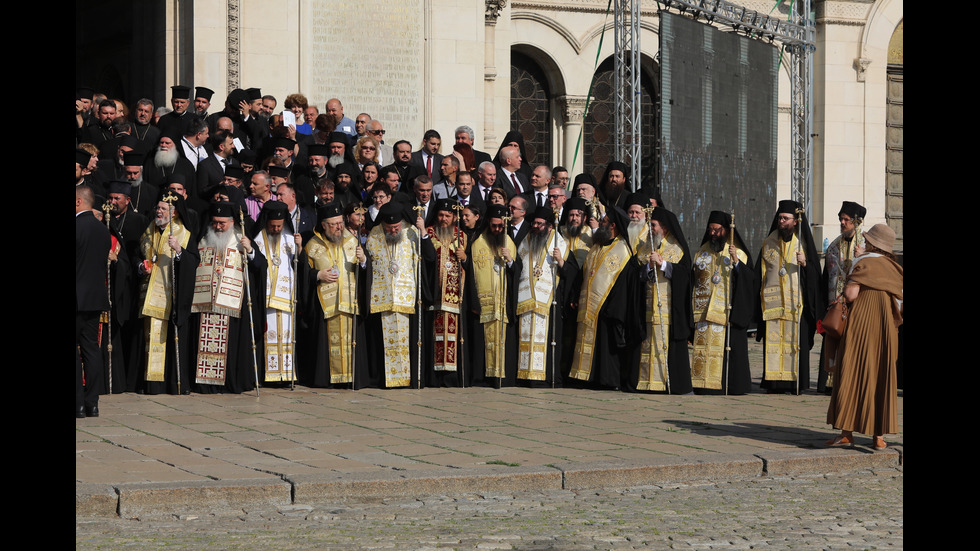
369 54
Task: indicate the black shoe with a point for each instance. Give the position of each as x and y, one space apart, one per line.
80 412
92 411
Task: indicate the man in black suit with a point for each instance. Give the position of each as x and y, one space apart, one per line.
92 244
211 169
403 166
465 193
464 134
428 156
519 225
423 198
303 219
514 182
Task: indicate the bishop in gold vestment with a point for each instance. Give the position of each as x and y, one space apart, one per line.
167 246
723 284
226 359
790 300
334 263
393 247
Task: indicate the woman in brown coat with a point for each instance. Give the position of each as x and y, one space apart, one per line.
866 393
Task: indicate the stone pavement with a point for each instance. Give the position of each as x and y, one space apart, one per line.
212 454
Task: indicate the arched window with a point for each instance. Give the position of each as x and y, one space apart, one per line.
530 107
600 125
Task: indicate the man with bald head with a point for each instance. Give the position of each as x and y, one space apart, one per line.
335 110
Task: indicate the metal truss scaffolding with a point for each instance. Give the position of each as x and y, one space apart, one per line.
798 36
627 95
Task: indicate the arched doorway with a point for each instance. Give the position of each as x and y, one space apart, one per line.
894 139
600 124
530 107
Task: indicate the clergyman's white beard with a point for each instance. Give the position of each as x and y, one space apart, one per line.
166 158
335 160
220 241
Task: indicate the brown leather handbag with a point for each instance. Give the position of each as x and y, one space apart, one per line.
835 319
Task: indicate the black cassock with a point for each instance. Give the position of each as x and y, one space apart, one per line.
619 331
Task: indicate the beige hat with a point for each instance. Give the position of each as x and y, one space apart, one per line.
881 236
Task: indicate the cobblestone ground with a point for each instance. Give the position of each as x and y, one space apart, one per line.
861 510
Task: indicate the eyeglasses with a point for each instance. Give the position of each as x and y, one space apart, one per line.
555 196
369 149
377 132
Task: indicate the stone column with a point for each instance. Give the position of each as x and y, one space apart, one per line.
573 113
493 8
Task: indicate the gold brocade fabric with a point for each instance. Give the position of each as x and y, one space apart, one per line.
579 246
533 346
782 347
341 345
219 285
156 348
494 336
212 349
398 363
539 277
280 279
490 272
323 254
278 346
451 277
602 268
782 306
710 301
840 256
155 293
445 335
393 268
155 290
654 348
781 297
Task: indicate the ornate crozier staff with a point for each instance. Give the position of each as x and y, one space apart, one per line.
248 296
799 288
293 249
502 289
107 208
353 297
171 198
730 303
656 291
554 299
418 293
460 357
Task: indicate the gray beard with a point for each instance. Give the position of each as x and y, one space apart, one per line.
574 231
137 182
220 241
445 234
161 222
635 228
394 238
602 236
335 239
318 171
335 161
166 159
657 240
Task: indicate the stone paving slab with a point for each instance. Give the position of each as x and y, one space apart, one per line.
340 442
